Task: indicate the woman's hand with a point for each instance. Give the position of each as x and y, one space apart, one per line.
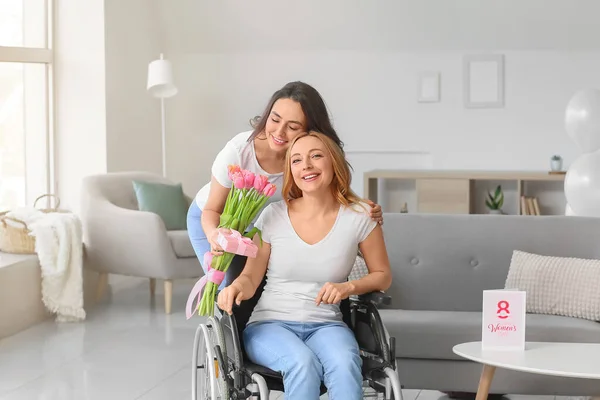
215 248
333 293
230 294
376 213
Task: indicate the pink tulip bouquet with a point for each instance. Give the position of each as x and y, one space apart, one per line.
249 193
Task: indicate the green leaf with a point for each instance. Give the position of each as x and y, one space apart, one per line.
251 233
224 219
498 192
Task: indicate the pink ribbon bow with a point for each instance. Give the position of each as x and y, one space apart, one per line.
214 276
235 234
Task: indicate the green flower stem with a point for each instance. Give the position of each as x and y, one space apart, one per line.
241 207
229 201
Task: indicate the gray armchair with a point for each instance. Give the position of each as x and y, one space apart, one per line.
120 239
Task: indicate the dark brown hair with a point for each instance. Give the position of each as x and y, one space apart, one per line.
313 107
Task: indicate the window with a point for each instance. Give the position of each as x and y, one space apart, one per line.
25 101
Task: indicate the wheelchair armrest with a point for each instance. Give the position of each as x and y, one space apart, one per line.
367 314
375 298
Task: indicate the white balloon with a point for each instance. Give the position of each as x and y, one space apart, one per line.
569 211
582 119
582 185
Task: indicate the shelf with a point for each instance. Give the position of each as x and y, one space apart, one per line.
453 192
471 175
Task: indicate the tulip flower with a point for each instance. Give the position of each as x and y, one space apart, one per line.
269 190
232 169
248 179
260 182
247 196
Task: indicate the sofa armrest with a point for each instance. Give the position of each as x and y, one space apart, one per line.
124 241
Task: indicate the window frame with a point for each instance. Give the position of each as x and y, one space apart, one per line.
39 55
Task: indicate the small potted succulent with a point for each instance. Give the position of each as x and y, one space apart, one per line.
556 163
495 201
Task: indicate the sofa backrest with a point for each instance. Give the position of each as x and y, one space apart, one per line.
444 262
117 187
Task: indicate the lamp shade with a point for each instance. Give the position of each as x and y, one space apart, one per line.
160 79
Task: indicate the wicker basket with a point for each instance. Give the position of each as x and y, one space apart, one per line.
17 239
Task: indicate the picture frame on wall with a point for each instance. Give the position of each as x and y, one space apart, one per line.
483 81
429 87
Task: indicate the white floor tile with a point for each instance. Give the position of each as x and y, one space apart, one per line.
410 394
174 387
127 349
431 395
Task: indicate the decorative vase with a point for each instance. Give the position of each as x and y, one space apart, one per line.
496 212
556 165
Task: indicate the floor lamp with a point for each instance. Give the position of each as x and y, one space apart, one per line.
161 85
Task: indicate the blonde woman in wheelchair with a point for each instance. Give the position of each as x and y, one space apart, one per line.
309 247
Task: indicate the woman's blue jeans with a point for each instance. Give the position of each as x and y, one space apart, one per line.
307 354
198 238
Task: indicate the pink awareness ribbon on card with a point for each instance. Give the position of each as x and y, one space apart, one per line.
214 276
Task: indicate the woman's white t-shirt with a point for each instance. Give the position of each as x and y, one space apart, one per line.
241 152
297 270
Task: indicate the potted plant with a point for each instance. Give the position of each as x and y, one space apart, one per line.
495 201
556 163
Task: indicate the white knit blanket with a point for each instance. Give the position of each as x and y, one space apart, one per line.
59 248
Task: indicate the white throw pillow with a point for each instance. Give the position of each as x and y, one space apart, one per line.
557 285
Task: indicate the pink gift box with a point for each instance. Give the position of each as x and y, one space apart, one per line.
237 244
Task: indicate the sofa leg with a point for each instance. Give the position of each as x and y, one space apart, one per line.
152 286
168 295
101 286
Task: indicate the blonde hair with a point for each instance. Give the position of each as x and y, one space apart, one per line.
342 177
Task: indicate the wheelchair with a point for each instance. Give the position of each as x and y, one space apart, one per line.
222 371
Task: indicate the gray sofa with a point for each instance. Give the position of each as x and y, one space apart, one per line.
441 265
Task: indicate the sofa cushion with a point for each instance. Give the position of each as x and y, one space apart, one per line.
181 244
566 286
433 334
165 200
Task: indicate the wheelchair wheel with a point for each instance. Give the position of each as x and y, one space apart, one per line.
219 339
200 374
393 384
205 369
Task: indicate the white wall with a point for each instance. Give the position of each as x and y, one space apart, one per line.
133 39
372 98
229 57
364 59
105 120
79 96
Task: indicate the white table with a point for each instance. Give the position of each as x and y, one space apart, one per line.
573 360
